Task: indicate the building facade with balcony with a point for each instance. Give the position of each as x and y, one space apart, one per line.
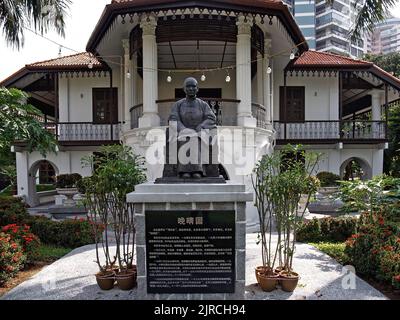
326 26
122 89
386 37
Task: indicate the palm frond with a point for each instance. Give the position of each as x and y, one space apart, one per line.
371 13
41 15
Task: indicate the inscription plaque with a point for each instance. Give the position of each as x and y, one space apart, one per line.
190 251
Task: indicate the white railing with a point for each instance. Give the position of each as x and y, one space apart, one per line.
331 130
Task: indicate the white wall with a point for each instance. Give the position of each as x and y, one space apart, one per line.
65 162
333 159
75 97
321 93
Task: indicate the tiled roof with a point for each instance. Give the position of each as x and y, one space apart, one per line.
324 59
246 2
72 63
76 61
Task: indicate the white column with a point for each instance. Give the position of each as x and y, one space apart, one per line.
377 162
376 104
22 174
334 161
150 74
127 88
376 111
267 81
243 73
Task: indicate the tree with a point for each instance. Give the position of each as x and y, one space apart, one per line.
391 63
392 155
18 121
41 15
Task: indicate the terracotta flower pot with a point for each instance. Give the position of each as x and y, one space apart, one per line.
268 282
126 280
288 281
261 269
105 280
279 269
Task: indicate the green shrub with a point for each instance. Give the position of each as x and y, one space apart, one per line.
22 234
370 195
328 179
331 229
309 231
68 180
12 258
45 187
12 210
67 233
375 249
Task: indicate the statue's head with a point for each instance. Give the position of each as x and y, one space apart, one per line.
190 86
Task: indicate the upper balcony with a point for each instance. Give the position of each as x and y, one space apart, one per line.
82 133
325 131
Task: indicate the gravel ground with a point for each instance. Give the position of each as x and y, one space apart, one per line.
72 278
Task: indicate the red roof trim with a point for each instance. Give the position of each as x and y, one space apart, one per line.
316 60
62 64
310 59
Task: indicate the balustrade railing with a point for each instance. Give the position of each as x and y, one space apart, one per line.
259 112
84 131
331 130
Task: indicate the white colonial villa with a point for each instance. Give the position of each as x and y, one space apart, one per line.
253 66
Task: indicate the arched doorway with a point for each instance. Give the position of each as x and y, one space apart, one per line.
355 168
41 177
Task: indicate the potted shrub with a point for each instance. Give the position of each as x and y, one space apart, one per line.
98 217
117 172
294 182
263 181
67 185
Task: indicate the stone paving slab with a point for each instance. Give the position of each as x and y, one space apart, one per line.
72 278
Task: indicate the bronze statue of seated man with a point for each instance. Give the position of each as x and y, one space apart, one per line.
191 114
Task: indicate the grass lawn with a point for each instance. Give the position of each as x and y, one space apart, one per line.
51 253
46 255
334 250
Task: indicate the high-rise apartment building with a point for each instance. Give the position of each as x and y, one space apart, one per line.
386 37
326 26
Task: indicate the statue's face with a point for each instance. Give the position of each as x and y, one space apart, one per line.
191 89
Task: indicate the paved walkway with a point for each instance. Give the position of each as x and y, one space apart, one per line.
72 278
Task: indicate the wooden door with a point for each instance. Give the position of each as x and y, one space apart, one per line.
105 105
295 104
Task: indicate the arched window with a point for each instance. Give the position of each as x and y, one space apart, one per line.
46 173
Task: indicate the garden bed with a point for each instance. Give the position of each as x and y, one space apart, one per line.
46 256
336 250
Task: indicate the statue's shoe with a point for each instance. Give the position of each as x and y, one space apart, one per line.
197 176
186 176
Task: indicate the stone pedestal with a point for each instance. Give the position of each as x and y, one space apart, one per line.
195 200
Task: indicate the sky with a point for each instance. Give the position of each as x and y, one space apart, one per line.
80 23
